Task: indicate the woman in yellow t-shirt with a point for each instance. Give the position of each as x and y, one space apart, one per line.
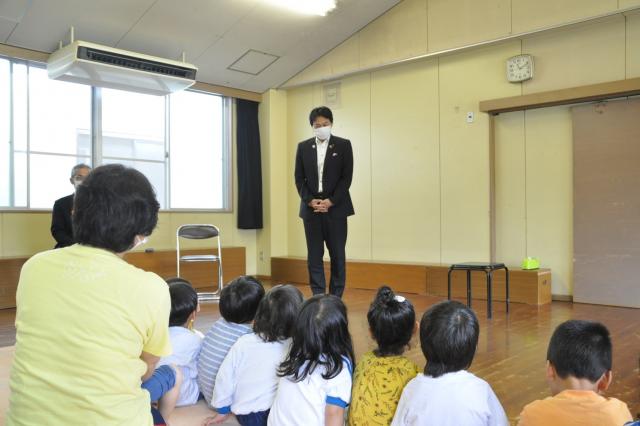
382 374
90 325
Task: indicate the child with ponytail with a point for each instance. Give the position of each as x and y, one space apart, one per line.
382 374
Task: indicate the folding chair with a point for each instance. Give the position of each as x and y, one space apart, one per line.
201 232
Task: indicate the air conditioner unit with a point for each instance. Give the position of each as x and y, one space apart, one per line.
102 66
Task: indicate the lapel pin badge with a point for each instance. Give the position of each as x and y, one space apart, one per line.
314 147
335 154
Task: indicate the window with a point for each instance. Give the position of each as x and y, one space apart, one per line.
133 134
59 122
180 142
195 122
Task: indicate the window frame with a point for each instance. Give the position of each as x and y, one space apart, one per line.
96 146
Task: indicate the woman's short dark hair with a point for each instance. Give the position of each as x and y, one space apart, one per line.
448 336
391 320
184 301
581 349
322 111
320 338
277 313
239 300
113 205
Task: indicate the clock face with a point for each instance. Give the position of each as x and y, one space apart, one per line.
520 68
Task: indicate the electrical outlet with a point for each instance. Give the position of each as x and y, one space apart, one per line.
261 254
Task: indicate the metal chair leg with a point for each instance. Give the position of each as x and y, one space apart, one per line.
489 292
506 271
468 288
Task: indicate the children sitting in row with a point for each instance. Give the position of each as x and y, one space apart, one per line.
578 371
314 386
246 383
239 301
382 374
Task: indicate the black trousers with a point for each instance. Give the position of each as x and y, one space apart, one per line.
319 229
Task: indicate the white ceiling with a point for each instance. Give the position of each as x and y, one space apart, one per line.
213 33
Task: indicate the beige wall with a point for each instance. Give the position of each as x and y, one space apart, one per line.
419 27
421 173
272 239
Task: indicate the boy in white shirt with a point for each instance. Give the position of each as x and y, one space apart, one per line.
185 340
446 394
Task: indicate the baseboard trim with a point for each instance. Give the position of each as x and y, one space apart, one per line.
263 277
562 298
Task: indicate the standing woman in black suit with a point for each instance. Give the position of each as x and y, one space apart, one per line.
324 168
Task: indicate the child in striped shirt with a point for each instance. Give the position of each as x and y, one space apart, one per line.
238 305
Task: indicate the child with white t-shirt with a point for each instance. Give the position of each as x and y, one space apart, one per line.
247 380
185 340
316 376
447 394
173 382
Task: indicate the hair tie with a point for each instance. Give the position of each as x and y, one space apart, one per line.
399 299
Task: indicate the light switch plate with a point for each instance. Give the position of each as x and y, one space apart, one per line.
470 117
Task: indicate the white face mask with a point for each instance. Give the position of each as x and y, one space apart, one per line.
139 242
322 133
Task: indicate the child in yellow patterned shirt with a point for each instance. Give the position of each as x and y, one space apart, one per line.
382 374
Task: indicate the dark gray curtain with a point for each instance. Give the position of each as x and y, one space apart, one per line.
248 165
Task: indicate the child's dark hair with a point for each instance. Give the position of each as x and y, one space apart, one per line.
581 349
320 338
277 313
184 301
448 336
240 298
391 321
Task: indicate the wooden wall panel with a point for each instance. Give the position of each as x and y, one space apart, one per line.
9 275
162 263
199 274
531 287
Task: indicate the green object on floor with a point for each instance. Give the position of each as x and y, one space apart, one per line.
530 263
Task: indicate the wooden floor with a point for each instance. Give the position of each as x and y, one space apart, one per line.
511 351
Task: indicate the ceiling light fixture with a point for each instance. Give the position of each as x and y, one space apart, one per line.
307 7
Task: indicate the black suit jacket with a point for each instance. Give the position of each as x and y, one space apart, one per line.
336 176
61 227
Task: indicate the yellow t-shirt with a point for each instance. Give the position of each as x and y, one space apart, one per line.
84 316
377 387
575 407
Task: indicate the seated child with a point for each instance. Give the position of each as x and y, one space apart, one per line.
315 377
247 380
382 374
185 341
238 304
578 371
447 394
